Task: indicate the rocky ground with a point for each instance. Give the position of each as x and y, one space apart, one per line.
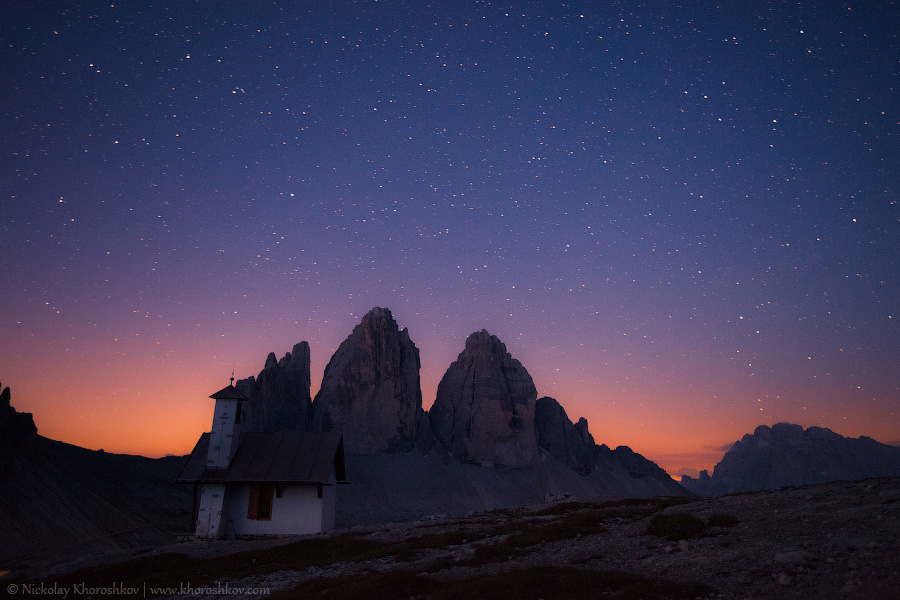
836 540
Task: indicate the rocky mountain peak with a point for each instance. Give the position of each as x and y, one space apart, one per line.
786 454
279 395
572 444
17 432
484 410
582 428
378 317
16 428
485 343
371 390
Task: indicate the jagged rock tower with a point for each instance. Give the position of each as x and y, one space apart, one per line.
484 410
371 390
572 444
279 396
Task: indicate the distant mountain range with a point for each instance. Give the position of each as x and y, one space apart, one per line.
787 455
487 441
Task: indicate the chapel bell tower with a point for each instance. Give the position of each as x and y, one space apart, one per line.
230 412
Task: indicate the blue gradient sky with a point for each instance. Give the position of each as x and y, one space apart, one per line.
683 220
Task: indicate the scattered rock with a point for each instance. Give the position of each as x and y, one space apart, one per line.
793 557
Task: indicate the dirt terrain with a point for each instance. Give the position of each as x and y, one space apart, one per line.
836 540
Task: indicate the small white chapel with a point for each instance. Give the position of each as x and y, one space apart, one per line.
249 483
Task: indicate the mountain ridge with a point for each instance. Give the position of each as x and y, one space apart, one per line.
58 501
482 434
486 410
789 455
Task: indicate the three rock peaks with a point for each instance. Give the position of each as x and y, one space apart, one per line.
484 412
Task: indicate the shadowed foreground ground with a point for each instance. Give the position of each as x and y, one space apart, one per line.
838 540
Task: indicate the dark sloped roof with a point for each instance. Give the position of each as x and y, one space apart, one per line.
286 457
229 393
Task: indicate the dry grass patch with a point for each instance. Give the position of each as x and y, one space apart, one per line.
523 535
573 519
563 508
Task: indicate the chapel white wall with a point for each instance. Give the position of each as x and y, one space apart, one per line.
298 511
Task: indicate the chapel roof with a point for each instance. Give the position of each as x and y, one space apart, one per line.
229 393
272 457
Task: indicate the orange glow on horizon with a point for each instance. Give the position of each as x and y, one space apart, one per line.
678 415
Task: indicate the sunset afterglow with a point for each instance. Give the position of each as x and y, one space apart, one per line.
683 221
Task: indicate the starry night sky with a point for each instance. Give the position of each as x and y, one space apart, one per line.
684 219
